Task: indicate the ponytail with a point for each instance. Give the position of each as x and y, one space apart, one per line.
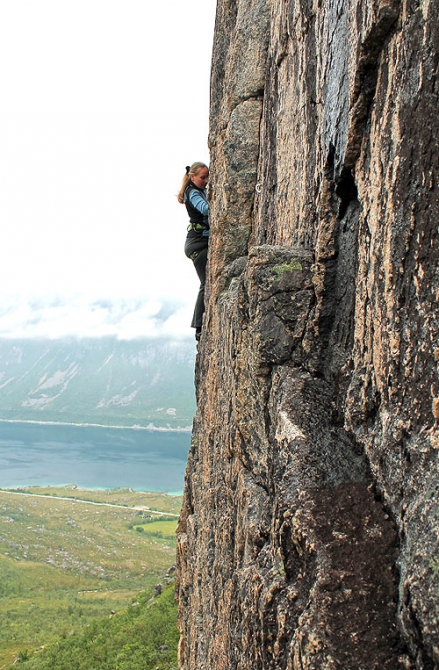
190 170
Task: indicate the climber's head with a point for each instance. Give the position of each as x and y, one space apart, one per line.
199 174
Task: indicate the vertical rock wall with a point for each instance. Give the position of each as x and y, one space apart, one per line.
309 533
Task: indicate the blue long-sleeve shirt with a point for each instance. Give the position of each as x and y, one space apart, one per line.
198 200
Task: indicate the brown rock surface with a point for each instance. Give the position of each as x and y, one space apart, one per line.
309 533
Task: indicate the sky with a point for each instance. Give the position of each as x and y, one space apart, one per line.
104 103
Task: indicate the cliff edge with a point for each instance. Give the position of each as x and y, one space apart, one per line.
309 532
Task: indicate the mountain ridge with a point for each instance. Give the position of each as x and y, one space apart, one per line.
98 381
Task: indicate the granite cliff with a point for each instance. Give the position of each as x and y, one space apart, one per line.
309 532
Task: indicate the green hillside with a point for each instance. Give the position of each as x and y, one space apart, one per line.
66 561
142 637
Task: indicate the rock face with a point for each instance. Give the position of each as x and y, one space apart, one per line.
309 532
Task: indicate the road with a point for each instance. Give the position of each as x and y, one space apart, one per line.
138 508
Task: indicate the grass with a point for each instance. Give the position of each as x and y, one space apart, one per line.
163 529
63 563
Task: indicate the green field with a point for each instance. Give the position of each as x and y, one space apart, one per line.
64 563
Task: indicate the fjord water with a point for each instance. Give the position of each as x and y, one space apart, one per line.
92 457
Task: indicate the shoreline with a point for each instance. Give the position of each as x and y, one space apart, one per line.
24 489
150 427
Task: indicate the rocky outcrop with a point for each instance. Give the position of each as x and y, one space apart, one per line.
309 532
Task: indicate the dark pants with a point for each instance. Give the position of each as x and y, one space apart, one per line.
195 248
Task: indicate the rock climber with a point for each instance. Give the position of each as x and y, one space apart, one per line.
193 195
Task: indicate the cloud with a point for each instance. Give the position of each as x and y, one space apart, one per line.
81 317
99 123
